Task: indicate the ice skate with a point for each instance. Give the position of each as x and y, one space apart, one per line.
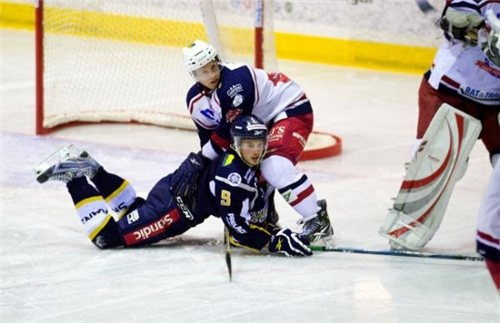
65 164
319 228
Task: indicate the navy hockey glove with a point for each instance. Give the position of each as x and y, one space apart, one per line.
184 179
289 244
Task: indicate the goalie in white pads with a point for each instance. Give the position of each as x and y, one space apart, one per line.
465 74
438 164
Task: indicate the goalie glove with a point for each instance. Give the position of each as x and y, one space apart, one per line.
184 181
289 244
461 25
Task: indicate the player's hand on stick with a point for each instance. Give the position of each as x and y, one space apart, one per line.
184 179
289 244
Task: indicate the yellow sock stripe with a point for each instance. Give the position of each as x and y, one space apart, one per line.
356 53
96 231
120 189
88 200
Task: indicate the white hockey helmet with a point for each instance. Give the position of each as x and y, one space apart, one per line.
198 54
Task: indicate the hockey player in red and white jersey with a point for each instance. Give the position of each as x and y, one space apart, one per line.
223 91
459 101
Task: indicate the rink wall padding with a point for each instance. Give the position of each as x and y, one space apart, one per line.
307 48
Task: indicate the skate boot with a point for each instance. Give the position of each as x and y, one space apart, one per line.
319 227
65 164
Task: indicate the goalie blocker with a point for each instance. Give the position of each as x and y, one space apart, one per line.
440 161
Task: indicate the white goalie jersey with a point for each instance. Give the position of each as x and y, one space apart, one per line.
466 69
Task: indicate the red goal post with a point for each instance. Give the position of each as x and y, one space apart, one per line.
121 61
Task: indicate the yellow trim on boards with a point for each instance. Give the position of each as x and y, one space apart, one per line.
307 48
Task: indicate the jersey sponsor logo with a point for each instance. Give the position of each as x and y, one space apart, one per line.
133 217
483 95
92 215
301 139
276 134
289 196
228 160
209 114
234 178
234 89
234 225
258 216
488 68
231 115
237 100
278 77
153 229
185 210
120 207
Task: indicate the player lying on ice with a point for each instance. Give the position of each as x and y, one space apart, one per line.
229 188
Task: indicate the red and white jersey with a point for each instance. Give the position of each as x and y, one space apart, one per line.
255 91
466 69
244 90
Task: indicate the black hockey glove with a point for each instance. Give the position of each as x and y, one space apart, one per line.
289 244
184 180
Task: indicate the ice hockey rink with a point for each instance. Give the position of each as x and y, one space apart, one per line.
50 272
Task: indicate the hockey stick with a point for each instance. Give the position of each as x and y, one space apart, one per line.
228 254
399 253
425 6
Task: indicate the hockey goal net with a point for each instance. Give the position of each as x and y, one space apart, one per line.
121 60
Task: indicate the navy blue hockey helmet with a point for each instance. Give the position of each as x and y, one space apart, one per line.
247 127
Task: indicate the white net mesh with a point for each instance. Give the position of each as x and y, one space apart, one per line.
122 60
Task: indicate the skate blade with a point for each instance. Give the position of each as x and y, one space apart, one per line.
45 167
324 242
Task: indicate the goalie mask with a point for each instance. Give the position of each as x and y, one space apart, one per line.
197 55
249 139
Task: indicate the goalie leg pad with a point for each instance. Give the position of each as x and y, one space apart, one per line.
438 164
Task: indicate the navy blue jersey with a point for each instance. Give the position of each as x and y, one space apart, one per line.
231 190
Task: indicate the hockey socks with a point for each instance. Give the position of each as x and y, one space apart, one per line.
117 192
90 206
295 187
302 197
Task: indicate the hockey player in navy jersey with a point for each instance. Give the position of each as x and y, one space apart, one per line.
222 92
113 216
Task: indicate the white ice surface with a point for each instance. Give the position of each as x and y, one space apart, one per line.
50 272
